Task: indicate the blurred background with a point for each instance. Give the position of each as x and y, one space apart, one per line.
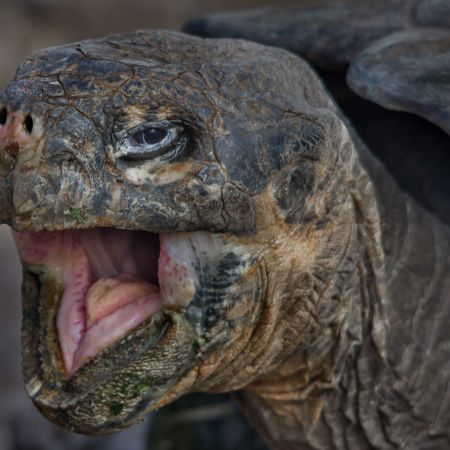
27 25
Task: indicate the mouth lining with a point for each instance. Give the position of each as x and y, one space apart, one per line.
111 281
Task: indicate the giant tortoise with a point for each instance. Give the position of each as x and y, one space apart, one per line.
198 215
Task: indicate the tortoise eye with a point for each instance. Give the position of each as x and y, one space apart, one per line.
154 135
152 140
149 136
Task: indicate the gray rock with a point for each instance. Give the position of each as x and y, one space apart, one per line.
407 71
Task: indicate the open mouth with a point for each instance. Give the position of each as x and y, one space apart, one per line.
113 281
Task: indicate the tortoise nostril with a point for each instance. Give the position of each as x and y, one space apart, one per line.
3 116
28 123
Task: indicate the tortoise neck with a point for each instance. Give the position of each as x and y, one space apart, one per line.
367 389
304 401
412 392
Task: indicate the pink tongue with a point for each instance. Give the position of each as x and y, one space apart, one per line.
114 306
108 295
92 316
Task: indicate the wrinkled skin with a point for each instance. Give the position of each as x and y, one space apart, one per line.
323 298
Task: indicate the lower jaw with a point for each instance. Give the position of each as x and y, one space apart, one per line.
61 312
138 368
135 371
41 348
147 368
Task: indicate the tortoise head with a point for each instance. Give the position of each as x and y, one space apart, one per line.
180 207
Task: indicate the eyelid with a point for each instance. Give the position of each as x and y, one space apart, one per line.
129 149
167 140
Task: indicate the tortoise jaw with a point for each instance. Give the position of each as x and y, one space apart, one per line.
110 284
153 362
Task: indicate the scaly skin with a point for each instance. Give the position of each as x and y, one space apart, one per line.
326 308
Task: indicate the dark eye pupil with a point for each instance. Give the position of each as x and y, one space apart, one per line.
154 135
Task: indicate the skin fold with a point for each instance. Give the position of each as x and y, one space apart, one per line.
323 300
